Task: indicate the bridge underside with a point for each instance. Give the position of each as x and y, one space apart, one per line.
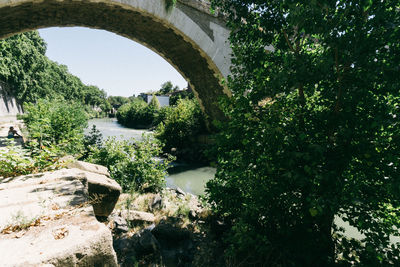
170 43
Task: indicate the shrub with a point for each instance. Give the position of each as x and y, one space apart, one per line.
136 114
15 161
180 127
94 139
133 164
56 122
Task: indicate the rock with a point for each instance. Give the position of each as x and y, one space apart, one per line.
125 248
180 191
86 166
103 192
148 243
141 246
134 215
120 225
48 219
156 202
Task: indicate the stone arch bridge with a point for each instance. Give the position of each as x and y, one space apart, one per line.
188 36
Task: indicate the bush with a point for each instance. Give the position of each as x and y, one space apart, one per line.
313 133
15 161
137 114
56 123
133 164
92 140
180 127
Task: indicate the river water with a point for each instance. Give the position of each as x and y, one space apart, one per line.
189 177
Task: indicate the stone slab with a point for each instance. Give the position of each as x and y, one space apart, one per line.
48 220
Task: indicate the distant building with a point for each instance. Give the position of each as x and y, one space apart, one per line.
163 99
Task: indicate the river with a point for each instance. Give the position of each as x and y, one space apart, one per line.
189 177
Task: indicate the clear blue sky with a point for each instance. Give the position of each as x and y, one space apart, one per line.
114 63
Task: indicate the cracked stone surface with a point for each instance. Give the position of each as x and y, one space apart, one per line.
49 218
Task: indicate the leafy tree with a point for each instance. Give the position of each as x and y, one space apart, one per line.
117 101
313 133
167 88
179 128
154 103
56 123
184 94
32 76
136 114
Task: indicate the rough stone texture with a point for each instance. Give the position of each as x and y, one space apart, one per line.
103 191
188 37
48 219
86 166
134 215
156 202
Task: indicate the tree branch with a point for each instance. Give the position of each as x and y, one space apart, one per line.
288 42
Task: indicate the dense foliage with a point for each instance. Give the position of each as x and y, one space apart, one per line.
117 101
167 88
133 164
313 135
56 123
15 160
180 127
32 76
136 114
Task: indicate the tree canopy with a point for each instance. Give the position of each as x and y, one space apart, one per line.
313 135
32 76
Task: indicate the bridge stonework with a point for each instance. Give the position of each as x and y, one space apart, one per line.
188 36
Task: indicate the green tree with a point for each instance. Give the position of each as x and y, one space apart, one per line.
154 103
136 114
32 76
117 101
167 88
179 128
313 134
56 123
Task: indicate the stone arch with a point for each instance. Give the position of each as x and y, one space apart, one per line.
190 39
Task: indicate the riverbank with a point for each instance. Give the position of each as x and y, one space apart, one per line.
191 177
169 228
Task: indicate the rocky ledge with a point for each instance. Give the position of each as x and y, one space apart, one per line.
51 219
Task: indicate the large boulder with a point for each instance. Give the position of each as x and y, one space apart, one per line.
86 166
49 219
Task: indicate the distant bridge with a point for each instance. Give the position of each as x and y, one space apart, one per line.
188 36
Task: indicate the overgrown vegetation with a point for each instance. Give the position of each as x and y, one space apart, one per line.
133 164
137 114
56 129
15 161
313 133
179 129
177 126
56 123
31 76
